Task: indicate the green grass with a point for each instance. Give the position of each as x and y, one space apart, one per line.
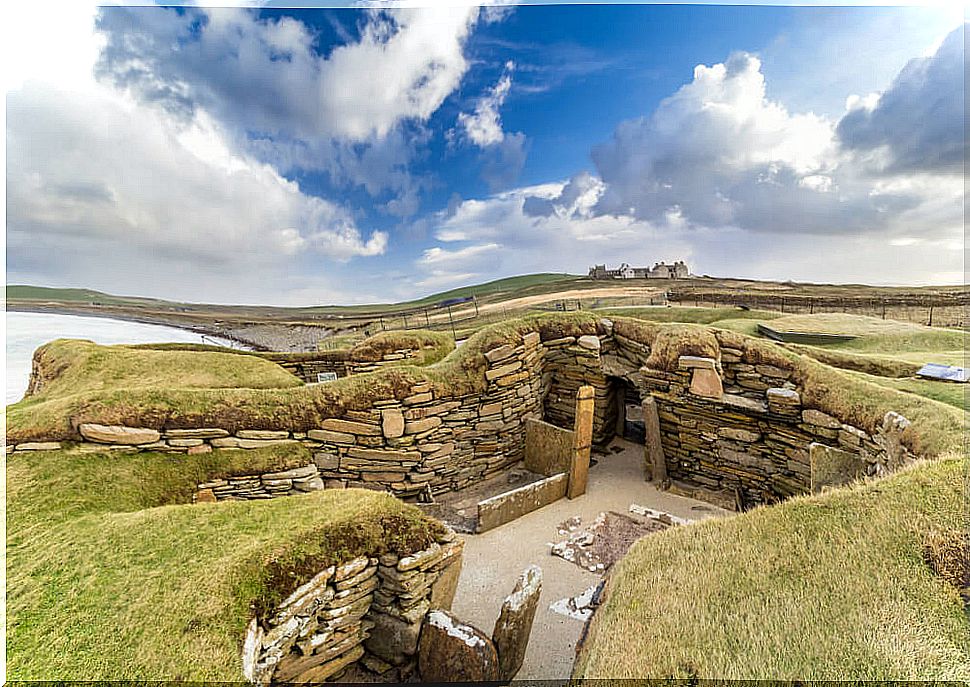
44 293
111 576
950 393
686 314
71 366
875 335
831 587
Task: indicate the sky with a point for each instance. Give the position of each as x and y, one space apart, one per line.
381 153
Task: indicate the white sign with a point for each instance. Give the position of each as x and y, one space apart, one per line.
326 377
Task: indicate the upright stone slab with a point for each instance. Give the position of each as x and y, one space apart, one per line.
833 467
656 463
582 442
453 651
514 624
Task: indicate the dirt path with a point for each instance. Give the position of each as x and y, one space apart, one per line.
494 560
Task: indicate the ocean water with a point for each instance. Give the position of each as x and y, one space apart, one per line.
27 331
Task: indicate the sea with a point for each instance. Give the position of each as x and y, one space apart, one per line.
27 331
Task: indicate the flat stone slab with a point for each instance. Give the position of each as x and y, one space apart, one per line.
453 651
514 624
118 434
513 504
833 467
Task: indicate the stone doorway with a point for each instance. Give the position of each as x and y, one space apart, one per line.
630 423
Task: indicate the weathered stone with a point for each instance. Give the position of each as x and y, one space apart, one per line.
687 362
589 342
330 668
397 457
421 558
500 353
117 434
331 437
185 443
350 427
445 585
820 419
39 446
392 423
392 639
419 426
351 568
293 473
779 396
263 434
502 371
514 624
833 467
513 504
738 434
205 496
706 382
452 651
199 433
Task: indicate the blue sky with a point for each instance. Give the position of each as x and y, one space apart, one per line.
350 155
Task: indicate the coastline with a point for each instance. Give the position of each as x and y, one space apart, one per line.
253 335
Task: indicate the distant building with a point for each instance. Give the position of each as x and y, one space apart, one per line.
660 270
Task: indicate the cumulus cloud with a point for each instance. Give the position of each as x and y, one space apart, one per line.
265 74
484 126
109 191
503 153
918 123
719 153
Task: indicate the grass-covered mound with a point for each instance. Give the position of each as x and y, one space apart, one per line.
296 408
849 397
65 367
109 577
829 587
873 334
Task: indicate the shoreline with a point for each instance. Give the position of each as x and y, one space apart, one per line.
252 335
201 330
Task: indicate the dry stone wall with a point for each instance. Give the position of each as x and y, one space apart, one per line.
736 432
344 364
732 429
368 609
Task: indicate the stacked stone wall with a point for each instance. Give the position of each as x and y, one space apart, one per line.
573 362
729 425
752 444
369 609
344 364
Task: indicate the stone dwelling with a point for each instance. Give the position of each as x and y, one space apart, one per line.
660 270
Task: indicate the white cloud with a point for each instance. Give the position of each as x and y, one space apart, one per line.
264 75
484 126
107 191
917 124
437 255
725 155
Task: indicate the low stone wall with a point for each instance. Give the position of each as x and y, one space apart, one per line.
369 609
344 363
265 486
729 426
742 434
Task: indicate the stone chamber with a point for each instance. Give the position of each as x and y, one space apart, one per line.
722 417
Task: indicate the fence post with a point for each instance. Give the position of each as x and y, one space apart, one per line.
931 317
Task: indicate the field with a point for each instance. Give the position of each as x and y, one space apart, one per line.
111 577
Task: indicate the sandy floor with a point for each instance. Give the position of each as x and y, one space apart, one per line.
494 560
